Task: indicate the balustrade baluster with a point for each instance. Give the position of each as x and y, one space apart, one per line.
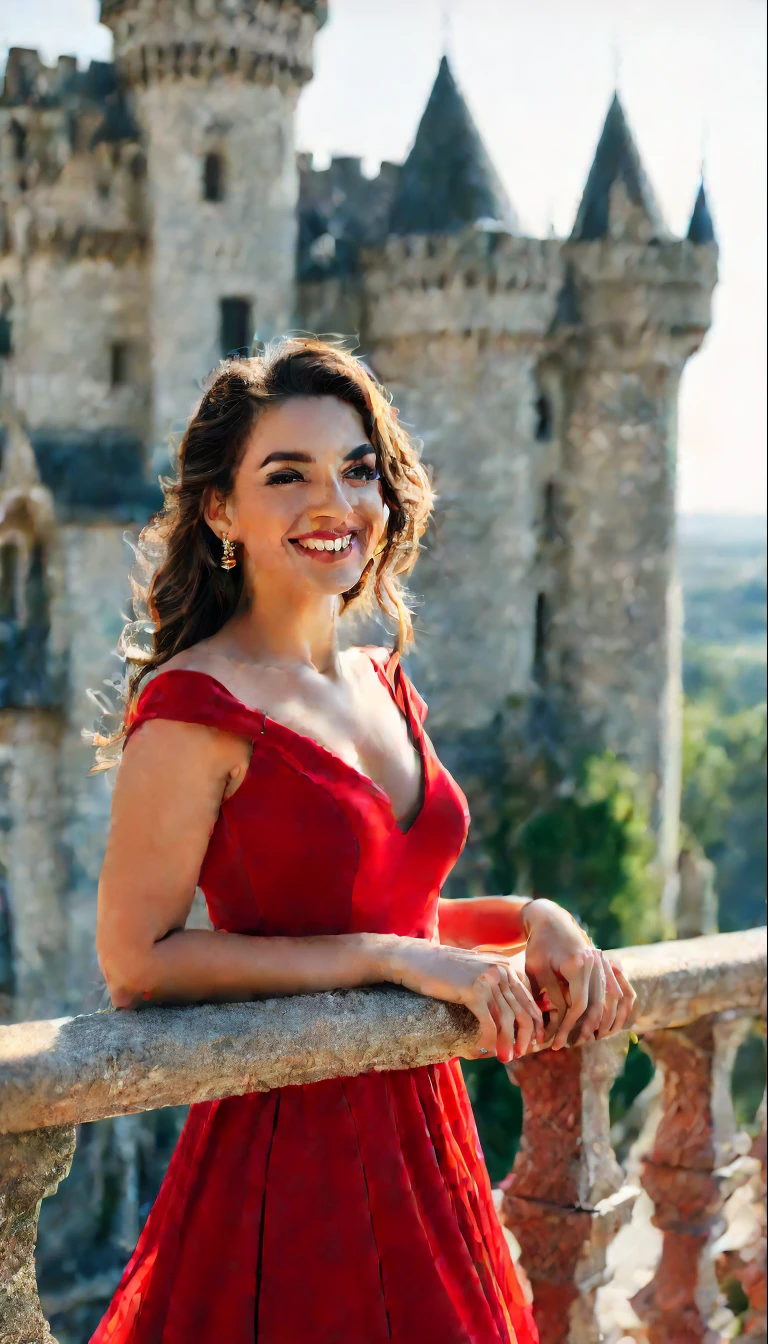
31 1167
565 1198
696 1162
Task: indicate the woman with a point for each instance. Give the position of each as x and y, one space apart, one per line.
295 783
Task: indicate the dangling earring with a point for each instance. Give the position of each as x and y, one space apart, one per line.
228 560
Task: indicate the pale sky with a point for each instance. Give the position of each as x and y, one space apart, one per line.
538 76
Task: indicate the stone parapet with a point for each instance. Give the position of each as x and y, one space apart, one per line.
77 1069
565 1198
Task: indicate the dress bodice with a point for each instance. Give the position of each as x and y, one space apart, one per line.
308 844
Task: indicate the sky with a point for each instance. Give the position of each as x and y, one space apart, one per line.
538 76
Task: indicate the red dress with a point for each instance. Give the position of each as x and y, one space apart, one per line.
351 1211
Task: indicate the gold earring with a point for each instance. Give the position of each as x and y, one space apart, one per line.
228 560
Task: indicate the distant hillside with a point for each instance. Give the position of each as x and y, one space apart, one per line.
723 571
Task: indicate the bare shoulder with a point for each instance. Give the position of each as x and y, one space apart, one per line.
364 653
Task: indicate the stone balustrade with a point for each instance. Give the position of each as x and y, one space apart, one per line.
566 1196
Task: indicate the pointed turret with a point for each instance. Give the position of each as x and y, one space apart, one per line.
616 182
701 229
448 181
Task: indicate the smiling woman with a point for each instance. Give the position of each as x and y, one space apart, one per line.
294 783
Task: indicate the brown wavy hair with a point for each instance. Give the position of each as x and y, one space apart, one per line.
181 593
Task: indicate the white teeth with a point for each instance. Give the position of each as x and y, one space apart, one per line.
316 544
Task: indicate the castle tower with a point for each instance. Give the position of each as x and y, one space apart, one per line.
215 90
634 306
457 306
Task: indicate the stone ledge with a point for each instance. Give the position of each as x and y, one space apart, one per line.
72 1070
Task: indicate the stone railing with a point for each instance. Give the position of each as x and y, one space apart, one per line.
564 1200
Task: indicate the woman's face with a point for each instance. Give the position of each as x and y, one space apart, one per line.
307 503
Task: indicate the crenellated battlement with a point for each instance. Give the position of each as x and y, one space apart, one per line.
266 41
476 280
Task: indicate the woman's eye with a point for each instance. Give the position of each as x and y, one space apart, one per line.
283 477
362 472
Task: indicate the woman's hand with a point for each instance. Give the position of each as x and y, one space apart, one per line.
498 994
584 988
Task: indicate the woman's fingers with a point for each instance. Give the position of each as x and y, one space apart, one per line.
520 988
628 1000
479 1005
613 997
577 971
525 1025
597 999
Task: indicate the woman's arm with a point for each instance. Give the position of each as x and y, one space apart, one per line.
483 921
168 792
167 796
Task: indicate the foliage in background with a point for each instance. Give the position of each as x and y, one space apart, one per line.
724 767
585 841
582 840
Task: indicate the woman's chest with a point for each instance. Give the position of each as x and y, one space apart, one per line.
309 846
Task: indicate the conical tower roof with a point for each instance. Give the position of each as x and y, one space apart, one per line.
448 181
616 161
701 229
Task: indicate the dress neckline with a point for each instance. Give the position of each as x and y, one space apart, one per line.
268 727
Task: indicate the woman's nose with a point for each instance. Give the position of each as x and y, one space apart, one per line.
330 500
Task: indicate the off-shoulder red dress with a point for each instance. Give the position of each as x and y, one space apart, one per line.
351 1211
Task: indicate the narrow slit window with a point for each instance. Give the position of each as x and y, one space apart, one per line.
543 419
549 511
213 177
9 567
235 326
540 640
119 364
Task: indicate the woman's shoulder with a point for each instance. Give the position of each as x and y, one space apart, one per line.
192 688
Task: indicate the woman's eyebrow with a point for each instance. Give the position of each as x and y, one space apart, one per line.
362 450
286 455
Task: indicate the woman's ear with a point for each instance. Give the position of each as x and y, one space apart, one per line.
217 515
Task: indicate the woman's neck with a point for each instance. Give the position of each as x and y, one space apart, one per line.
280 630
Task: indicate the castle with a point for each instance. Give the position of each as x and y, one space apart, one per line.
154 215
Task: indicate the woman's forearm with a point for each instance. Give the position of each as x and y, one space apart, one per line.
197 965
483 921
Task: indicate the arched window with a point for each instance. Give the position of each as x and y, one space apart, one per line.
543 419
213 177
540 640
235 326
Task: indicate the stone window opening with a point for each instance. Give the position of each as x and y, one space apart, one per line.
7 969
235 326
544 418
213 177
119 364
6 336
19 137
541 633
23 599
550 529
9 581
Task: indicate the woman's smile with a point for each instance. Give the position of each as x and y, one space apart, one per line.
327 547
